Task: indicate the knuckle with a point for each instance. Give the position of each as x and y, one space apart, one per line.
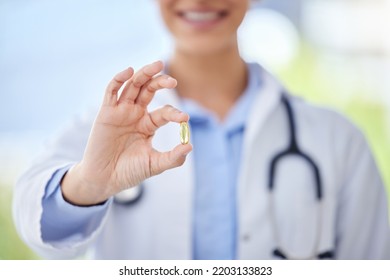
151 88
117 79
179 161
111 89
137 83
147 73
168 108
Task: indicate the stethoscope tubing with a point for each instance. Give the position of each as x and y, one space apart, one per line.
293 149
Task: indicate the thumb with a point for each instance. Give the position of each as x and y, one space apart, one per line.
168 160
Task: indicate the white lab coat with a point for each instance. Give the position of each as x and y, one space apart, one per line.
354 223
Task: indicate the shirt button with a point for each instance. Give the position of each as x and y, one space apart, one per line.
246 237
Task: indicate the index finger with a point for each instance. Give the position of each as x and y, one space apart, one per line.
140 78
111 95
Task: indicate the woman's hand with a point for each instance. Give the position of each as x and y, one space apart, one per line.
119 153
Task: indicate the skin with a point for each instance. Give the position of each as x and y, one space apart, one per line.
206 61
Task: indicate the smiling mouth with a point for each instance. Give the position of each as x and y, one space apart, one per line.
202 16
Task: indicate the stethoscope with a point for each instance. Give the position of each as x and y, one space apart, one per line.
134 195
294 150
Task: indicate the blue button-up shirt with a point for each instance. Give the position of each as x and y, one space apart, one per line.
217 154
217 157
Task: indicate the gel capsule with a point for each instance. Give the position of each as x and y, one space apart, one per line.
184 133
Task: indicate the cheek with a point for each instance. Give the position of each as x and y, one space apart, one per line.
165 7
242 4
240 8
237 19
165 2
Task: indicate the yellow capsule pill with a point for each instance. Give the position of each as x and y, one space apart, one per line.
184 133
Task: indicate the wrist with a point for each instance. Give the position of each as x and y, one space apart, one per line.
78 190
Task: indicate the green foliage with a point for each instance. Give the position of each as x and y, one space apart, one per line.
11 247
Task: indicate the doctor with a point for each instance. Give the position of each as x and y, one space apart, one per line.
270 176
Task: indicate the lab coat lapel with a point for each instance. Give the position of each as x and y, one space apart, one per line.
251 200
267 100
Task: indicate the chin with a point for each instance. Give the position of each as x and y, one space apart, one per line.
202 47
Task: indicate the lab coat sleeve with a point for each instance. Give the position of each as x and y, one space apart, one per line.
65 150
362 222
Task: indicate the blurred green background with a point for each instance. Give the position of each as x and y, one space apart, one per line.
11 247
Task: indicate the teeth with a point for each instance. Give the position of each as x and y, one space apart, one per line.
201 16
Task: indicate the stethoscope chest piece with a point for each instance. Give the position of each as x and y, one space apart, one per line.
129 196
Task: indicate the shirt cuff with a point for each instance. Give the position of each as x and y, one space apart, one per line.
60 219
